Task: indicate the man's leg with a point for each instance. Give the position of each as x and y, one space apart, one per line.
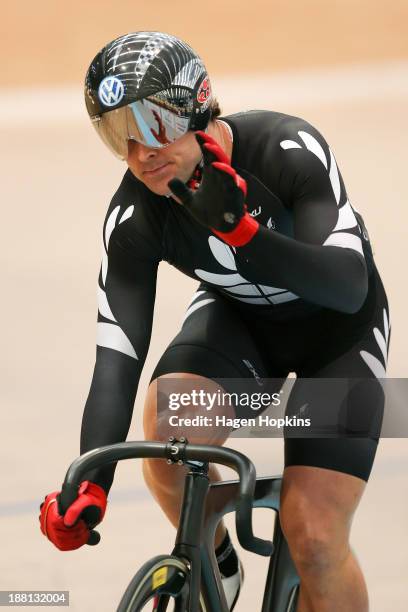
317 507
166 482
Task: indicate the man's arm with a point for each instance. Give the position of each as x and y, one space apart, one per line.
126 294
324 261
331 276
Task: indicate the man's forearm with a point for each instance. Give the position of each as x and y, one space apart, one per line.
330 276
108 410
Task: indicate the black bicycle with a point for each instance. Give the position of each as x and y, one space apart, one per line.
188 580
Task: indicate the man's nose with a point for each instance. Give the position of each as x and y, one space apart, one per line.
142 152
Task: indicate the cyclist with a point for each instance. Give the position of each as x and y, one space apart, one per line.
254 207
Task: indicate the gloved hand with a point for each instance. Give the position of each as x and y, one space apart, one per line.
72 530
219 201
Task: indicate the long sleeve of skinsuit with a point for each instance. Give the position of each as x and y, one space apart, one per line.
126 294
323 261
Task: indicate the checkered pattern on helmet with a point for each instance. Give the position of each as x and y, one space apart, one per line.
152 47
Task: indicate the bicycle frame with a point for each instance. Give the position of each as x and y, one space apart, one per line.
198 523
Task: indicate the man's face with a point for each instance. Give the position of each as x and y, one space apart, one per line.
156 167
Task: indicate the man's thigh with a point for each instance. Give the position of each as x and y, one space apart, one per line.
344 402
214 341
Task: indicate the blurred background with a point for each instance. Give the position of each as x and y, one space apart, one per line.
52 43
340 64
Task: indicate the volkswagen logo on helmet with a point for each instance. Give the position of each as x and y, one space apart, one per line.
111 91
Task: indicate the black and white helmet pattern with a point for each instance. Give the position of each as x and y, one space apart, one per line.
151 65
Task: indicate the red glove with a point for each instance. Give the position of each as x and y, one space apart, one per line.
219 200
72 530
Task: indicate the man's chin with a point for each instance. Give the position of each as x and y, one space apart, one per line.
161 188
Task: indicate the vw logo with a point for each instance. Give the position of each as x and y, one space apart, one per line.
111 91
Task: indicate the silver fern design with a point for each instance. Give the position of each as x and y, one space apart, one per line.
347 219
236 285
376 366
110 335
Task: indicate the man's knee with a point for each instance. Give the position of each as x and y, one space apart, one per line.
156 409
159 422
316 532
156 427
317 544
317 507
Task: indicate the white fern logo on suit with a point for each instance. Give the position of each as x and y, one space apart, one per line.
347 219
236 285
111 335
376 366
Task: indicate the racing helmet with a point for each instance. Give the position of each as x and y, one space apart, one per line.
147 86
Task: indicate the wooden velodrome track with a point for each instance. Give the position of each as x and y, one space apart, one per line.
57 182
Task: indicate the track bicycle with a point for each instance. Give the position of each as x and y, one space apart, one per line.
188 579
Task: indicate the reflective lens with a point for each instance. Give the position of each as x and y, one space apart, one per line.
143 121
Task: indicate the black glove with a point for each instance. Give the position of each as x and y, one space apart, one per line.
219 201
